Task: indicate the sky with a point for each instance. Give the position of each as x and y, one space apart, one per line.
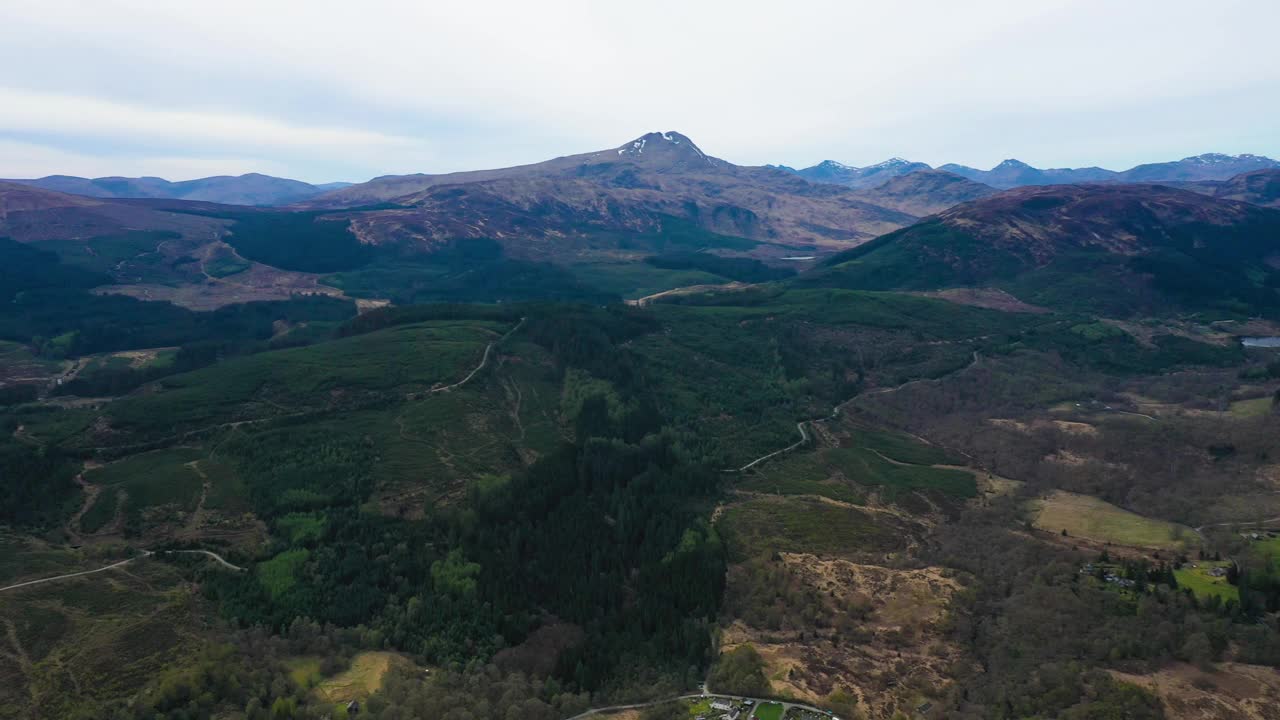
324 91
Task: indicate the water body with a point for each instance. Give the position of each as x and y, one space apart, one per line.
1261 342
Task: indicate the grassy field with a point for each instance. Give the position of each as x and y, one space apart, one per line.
1205 585
362 679
1256 407
1093 519
768 711
764 525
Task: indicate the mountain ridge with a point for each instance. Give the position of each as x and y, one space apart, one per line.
1011 172
246 189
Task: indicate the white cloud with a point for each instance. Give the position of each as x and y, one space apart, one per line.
80 116
32 160
492 82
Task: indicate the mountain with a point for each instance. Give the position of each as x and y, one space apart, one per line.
1211 166
830 171
1120 249
249 189
1014 173
925 192
542 209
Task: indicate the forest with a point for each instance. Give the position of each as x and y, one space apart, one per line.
617 558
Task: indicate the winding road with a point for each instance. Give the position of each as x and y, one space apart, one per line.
835 412
145 553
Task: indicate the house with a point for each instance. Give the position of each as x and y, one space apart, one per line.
722 705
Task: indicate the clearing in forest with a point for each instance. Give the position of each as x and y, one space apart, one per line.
362 679
1088 517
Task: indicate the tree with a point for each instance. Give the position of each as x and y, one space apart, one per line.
741 672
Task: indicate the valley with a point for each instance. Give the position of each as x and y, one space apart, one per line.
584 438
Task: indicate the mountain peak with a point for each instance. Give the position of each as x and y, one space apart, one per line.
1012 164
669 143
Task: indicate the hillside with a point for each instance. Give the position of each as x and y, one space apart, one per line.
1260 187
248 189
1118 248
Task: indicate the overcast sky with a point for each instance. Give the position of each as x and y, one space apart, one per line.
348 90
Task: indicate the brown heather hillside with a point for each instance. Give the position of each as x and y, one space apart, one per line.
29 214
628 188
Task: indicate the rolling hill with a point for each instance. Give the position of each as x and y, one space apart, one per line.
1120 249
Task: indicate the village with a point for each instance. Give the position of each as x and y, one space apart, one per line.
714 707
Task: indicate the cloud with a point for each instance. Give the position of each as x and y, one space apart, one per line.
384 86
27 111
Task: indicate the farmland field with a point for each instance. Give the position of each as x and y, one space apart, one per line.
1093 519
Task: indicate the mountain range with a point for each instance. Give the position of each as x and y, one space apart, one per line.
1015 173
634 187
248 189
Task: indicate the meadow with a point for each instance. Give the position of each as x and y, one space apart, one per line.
1093 519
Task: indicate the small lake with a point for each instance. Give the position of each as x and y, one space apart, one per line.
1261 342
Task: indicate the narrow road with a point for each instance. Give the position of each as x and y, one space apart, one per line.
1240 523
786 705
488 350
835 412
145 553
77 574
